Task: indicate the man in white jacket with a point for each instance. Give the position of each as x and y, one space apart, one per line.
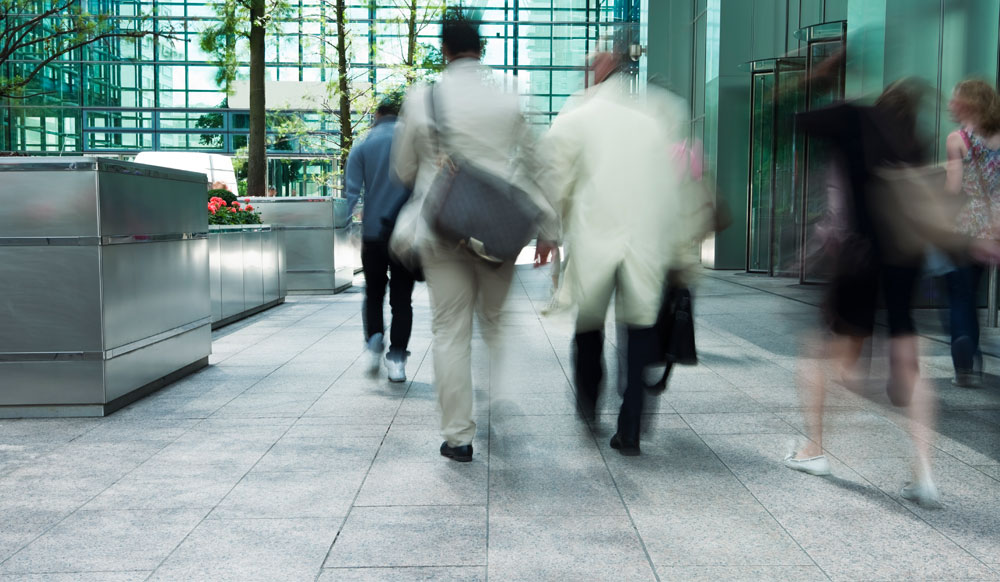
478 120
609 165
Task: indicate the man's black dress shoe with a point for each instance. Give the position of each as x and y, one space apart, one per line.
626 448
462 454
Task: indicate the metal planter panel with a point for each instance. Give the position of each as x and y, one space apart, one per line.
231 274
253 275
51 383
270 265
282 264
136 199
215 274
65 207
140 367
153 287
51 299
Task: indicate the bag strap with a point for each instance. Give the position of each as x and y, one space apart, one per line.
965 138
432 110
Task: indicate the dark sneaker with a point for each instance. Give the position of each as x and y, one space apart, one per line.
625 448
967 379
586 408
462 453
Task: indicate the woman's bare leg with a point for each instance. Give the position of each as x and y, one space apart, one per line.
840 353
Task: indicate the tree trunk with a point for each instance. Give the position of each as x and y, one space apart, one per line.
257 154
346 128
411 37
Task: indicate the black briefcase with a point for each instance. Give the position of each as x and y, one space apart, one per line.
675 333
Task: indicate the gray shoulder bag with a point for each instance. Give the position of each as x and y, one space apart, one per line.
473 208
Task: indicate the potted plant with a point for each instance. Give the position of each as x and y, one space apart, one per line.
225 213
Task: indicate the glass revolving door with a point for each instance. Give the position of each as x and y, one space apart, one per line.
825 66
774 231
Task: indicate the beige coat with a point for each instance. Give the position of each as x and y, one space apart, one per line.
478 120
627 215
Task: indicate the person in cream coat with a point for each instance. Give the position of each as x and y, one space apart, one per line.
610 165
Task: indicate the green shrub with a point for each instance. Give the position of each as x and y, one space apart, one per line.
226 195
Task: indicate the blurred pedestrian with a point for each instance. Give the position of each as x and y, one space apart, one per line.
973 172
608 166
880 248
369 172
473 116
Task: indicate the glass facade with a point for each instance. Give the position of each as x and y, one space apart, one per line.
121 96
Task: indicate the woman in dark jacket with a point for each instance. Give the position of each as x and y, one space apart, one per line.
871 142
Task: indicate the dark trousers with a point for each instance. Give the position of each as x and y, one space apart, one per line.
380 268
963 285
640 352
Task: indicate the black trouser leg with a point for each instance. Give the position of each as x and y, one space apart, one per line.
640 352
400 300
588 370
375 264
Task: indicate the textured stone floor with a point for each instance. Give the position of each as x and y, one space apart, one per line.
284 461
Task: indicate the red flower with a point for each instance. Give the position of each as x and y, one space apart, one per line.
247 201
233 210
211 209
249 208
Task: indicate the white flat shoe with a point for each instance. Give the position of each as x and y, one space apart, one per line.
814 465
924 494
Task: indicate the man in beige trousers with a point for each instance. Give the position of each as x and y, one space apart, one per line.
478 120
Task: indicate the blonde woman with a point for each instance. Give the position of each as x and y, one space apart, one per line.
973 169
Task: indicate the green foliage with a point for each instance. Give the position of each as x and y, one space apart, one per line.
224 217
241 185
211 121
221 40
38 32
226 195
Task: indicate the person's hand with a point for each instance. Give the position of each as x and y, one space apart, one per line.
544 252
985 251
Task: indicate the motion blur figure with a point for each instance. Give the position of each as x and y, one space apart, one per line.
608 167
477 119
369 172
973 172
882 246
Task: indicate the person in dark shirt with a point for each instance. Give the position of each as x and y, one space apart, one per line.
369 171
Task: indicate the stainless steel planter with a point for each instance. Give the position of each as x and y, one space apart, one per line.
104 279
247 271
322 246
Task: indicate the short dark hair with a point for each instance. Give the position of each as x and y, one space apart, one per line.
458 33
387 108
391 102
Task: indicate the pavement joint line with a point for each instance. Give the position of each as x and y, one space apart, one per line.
343 523
600 451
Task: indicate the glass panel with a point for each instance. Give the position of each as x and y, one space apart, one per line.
787 202
817 179
113 78
761 172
